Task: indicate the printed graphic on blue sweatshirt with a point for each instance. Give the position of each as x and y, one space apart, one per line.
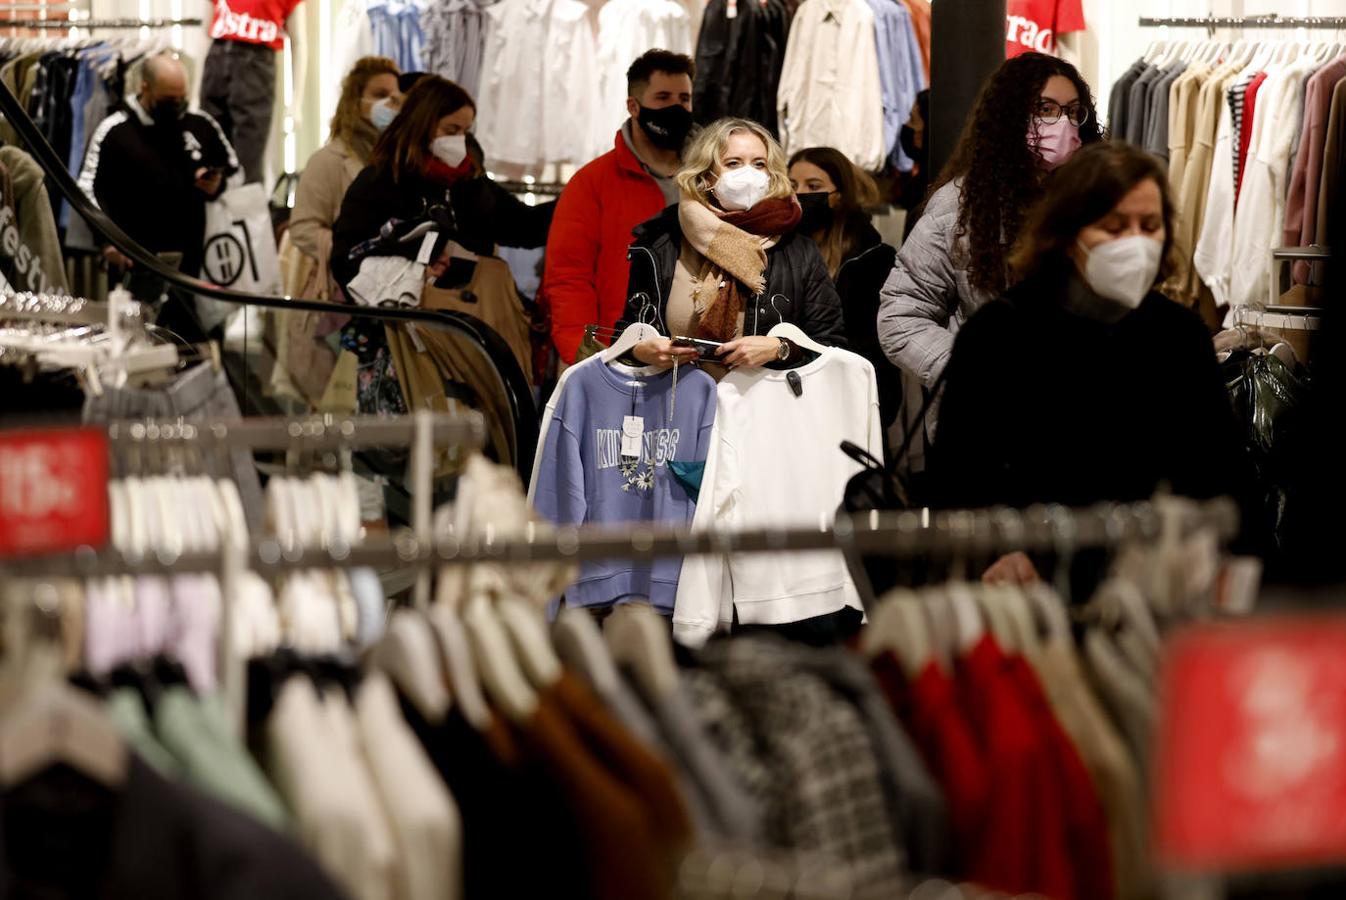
660 446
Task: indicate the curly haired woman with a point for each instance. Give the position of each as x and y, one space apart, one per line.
1033 113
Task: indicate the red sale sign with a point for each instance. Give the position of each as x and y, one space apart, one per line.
53 490
1251 765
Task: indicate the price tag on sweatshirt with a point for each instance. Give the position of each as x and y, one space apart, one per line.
427 248
633 436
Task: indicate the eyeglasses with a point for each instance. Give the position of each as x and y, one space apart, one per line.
1049 112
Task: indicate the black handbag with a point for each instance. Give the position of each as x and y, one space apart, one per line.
879 487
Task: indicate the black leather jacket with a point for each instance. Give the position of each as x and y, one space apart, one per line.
797 287
739 61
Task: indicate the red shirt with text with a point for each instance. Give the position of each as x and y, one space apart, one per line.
252 21
1035 24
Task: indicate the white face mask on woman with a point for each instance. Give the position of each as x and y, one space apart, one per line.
1123 269
451 149
741 188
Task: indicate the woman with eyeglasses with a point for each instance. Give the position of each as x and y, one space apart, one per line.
1032 115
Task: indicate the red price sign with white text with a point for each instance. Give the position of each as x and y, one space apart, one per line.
53 490
1251 766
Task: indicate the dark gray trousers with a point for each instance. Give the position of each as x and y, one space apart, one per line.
238 90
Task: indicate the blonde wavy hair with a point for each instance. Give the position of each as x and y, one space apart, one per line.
348 116
702 158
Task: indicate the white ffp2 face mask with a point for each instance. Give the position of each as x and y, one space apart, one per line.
741 188
451 149
1123 269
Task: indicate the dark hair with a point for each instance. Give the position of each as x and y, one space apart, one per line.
651 61
1081 192
855 189
408 80
405 145
1002 175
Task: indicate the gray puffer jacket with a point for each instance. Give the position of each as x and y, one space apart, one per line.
927 296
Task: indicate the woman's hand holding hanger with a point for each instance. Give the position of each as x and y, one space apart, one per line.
750 352
663 353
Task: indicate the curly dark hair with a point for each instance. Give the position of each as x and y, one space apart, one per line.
1002 176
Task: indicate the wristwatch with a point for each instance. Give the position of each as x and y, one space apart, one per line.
784 351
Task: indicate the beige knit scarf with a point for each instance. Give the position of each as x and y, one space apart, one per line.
731 245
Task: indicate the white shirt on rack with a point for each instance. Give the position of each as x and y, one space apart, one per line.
830 94
539 84
1260 217
1215 245
775 461
626 29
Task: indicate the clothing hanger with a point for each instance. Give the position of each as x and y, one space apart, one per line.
534 649
504 681
969 627
43 722
634 334
1137 616
579 642
456 650
1050 612
793 333
899 625
408 654
943 630
1015 603
990 603
641 641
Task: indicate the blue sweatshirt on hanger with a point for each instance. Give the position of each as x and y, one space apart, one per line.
588 477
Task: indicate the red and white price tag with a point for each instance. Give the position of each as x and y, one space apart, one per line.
53 490
1251 765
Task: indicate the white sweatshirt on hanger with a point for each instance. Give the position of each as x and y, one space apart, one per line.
1260 219
775 461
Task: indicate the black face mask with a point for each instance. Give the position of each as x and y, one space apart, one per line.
908 138
818 213
167 112
667 127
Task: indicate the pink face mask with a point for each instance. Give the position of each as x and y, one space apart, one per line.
1054 143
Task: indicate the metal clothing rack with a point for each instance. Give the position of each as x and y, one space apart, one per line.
1271 20
97 24
1313 253
119 320
906 534
317 433
57 309
422 432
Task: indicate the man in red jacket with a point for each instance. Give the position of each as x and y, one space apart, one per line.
586 274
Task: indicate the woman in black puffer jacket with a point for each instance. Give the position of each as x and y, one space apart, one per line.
427 164
726 263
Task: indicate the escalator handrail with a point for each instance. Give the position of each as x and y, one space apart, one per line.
483 338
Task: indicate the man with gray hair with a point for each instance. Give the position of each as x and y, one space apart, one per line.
153 165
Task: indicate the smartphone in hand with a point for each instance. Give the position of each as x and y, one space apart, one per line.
705 349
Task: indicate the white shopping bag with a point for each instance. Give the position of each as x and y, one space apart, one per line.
240 248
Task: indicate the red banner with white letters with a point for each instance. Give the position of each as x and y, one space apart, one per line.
53 490
1251 764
